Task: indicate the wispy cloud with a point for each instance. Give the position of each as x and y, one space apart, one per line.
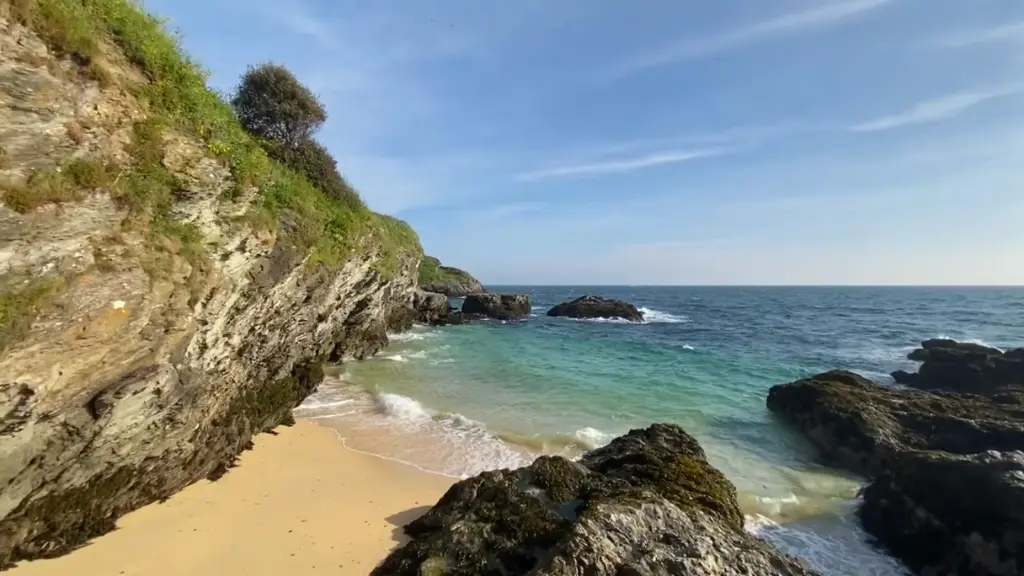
791 23
1013 32
934 110
621 165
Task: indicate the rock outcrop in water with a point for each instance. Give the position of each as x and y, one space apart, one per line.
497 306
597 307
863 427
947 495
447 280
647 504
951 514
430 307
964 367
154 312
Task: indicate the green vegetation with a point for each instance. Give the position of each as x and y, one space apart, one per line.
62 184
273 105
432 272
20 306
331 222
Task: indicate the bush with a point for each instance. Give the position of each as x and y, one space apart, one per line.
272 104
314 162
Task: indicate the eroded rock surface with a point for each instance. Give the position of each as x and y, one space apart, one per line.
647 504
964 367
597 307
951 514
862 426
497 306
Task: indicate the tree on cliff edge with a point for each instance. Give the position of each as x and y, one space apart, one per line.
272 104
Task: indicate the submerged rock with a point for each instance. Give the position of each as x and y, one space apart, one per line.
497 306
964 367
948 514
597 307
647 504
862 426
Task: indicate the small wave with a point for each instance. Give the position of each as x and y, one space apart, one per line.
440 361
593 438
977 341
318 405
402 408
652 316
688 347
406 357
412 336
844 552
396 358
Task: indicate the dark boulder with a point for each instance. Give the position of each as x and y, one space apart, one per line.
497 306
862 426
596 307
431 307
964 367
647 504
949 514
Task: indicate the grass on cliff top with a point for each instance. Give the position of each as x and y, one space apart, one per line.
178 95
431 271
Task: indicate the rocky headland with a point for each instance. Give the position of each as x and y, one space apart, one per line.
447 280
646 504
597 307
944 453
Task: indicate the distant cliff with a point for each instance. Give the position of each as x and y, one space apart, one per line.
446 280
166 290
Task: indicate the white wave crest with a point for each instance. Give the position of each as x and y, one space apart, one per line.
402 408
593 438
652 316
412 336
688 347
977 341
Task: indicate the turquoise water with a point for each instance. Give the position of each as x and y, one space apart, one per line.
462 399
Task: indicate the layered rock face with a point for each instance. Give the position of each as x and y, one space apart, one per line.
964 367
596 307
647 504
497 306
947 495
144 368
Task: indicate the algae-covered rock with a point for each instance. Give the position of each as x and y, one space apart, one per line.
647 504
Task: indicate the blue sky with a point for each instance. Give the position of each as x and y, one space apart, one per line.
665 141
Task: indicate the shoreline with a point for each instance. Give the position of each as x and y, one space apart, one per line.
300 502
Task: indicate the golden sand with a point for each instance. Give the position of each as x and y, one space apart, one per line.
299 503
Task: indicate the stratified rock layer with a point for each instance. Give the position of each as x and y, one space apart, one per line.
647 504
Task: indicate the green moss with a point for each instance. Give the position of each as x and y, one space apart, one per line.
692 482
432 272
57 186
21 305
433 566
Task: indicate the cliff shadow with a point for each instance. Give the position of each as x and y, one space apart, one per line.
399 521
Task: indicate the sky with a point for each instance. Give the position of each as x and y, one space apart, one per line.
665 141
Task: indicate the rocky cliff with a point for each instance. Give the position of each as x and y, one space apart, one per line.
166 291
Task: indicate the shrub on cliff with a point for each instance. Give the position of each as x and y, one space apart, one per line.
315 162
272 104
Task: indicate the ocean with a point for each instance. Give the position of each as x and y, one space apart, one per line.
458 400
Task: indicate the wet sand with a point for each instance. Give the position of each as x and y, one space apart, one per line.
299 503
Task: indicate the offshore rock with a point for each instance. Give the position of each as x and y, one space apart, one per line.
431 307
964 367
497 306
597 307
862 426
447 280
647 504
949 514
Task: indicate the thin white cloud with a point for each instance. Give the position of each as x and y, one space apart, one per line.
791 23
1013 32
621 165
934 110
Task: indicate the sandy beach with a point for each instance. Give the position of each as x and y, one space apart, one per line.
298 503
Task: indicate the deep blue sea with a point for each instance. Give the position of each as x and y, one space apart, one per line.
458 400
